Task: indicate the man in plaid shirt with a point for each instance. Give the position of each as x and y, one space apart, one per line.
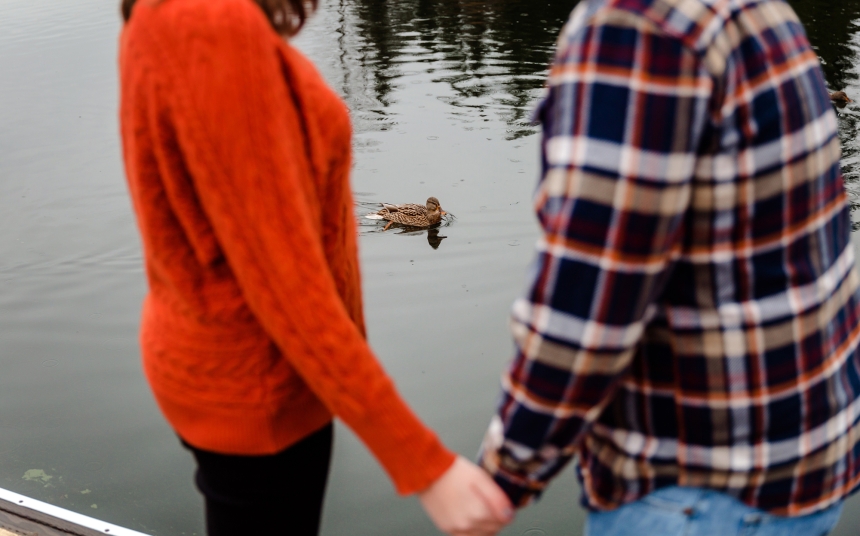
691 329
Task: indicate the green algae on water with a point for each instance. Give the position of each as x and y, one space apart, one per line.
37 475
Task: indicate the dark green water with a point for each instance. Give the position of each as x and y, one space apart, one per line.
440 93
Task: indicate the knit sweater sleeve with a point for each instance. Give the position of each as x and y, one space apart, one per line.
243 144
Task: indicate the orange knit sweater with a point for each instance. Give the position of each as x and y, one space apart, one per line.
237 156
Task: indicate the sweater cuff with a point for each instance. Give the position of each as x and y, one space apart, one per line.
411 454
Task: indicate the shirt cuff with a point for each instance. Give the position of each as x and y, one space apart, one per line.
507 472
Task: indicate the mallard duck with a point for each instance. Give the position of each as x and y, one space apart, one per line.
840 97
411 214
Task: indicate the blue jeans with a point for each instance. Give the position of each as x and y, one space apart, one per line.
677 511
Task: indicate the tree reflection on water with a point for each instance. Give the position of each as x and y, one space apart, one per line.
492 55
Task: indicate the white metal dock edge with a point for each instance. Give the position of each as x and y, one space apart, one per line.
23 504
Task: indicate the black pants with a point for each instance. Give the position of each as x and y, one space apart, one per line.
281 494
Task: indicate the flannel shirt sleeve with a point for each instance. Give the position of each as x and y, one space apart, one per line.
625 108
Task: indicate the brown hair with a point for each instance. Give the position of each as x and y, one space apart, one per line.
287 16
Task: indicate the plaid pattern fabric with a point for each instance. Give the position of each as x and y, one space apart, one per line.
692 317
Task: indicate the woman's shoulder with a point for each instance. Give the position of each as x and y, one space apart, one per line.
198 23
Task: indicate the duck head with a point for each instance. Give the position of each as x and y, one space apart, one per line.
434 206
840 97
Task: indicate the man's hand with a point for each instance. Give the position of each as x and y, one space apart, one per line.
465 501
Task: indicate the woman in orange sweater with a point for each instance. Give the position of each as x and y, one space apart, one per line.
252 332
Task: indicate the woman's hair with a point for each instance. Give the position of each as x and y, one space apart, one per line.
287 16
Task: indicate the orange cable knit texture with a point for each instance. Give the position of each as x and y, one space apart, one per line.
238 156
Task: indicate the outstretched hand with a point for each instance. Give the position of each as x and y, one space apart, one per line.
465 501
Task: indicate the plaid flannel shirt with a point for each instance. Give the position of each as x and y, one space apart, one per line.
692 317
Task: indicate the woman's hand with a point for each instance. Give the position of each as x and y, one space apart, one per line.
465 501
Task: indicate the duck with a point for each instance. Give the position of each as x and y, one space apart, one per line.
840 97
410 214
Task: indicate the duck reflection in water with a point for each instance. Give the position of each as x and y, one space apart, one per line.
433 236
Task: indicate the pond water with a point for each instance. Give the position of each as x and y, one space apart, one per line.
440 93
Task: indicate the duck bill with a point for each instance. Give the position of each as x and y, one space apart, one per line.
444 213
